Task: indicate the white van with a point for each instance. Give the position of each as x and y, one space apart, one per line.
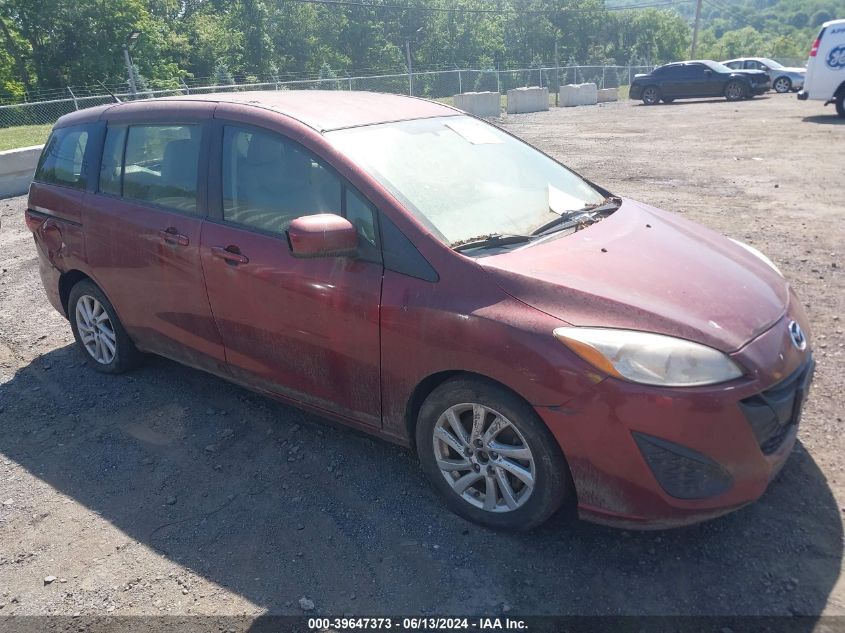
825 80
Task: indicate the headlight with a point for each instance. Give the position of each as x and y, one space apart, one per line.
758 254
651 359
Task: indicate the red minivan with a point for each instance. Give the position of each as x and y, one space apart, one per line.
417 273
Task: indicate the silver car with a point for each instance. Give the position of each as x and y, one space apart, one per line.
783 79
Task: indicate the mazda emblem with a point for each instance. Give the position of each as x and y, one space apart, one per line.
797 335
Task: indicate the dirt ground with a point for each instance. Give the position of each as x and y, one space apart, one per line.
168 491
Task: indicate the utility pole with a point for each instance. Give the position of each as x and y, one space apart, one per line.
695 29
557 75
127 58
131 71
410 67
410 63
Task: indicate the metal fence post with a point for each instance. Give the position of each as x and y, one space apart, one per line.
73 96
460 84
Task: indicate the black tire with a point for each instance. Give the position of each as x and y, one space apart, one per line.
651 95
552 483
840 104
668 100
125 355
782 85
735 91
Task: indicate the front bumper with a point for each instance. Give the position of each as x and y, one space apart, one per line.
652 458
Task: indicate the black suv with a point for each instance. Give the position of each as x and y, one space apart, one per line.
696 79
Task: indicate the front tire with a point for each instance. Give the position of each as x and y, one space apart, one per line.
490 456
782 85
651 95
735 91
99 333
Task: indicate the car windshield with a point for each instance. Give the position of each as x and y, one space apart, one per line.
720 68
771 63
464 178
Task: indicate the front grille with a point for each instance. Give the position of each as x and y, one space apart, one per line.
775 412
682 472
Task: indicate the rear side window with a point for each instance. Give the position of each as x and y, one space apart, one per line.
63 161
161 165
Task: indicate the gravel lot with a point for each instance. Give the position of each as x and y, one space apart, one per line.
168 491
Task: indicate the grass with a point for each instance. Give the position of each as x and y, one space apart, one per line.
23 136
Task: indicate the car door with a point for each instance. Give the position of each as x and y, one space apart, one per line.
305 329
670 80
699 80
142 234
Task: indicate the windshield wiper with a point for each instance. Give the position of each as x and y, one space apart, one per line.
580 217
490 240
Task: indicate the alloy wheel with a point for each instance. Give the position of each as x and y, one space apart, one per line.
734 91
95 329
651 96
484 457
782 84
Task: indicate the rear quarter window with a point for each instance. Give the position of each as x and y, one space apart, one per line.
64 160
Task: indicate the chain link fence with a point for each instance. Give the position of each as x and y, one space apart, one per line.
439 84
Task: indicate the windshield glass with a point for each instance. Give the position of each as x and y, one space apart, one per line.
464 178
721 68
771 63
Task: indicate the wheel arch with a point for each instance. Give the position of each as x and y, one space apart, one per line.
428 384
67 281
840 90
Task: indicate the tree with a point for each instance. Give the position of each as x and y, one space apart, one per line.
221 75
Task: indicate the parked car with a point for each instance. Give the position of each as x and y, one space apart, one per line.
826 67
697 79
419 274
783 78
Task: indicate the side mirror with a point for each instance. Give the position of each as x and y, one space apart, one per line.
322 235
708 72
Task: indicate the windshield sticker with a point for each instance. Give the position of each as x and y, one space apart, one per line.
475 133
561 202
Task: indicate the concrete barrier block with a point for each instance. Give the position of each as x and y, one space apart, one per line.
587 94
568 96
608 94
578 94
528 100
16 169
485 104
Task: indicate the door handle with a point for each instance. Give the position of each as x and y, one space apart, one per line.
229 254
172 236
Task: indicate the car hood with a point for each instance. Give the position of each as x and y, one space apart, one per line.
797 71
646 269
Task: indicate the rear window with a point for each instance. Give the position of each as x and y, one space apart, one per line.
63 161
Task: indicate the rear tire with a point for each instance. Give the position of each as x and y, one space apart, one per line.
840 104
490 456
735 91
651 95
99 333
782 85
